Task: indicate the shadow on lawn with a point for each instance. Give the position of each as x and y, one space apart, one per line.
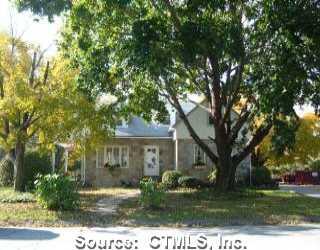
26 234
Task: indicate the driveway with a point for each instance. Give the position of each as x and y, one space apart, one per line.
308 190
245 237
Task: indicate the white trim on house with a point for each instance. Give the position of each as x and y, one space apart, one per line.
176 158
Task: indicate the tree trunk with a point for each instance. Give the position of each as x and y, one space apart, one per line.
19 180
225 180
232 177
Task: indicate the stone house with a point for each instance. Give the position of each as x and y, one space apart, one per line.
141 149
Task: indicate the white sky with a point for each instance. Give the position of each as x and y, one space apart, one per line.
41 33
45 34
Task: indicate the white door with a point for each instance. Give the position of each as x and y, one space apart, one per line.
151 161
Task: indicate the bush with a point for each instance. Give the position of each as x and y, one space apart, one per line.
152 193
170 178
189 182
212 176
36 163
261 176
314 163
57 192
6 173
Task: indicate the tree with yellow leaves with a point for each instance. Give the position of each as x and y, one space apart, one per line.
41 100
307 144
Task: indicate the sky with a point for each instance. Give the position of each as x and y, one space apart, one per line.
41 33
45 34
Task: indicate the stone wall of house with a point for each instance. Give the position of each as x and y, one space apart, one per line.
186 161
104 177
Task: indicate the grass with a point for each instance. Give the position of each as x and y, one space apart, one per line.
205 208
31 214
8 195
183 207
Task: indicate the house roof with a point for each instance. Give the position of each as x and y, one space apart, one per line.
137 127
187 107
190 107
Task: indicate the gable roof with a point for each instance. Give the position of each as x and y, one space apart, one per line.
190 107
137 127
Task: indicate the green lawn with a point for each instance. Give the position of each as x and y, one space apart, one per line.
8 195
31 214
182 208
205 208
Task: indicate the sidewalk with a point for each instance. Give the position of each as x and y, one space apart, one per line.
307 190
250 237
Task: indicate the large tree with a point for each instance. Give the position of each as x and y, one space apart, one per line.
260 57
40 100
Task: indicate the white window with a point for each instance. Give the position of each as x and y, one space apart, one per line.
199 156
113 155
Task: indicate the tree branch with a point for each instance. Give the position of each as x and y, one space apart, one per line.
260 134
33 69
193 133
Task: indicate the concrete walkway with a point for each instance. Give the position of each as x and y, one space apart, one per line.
110 205
250 237
307 190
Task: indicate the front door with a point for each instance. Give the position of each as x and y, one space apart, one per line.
151 161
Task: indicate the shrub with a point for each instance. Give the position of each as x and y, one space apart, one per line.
314 163
170 178
6 173
36 163
152 193
212 176
261 176
189 182
57 192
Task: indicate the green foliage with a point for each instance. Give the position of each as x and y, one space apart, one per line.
57 192
35 163
261 176
6 172
189 182
44 8
170 178
314 163
152 193
212 176
254 56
